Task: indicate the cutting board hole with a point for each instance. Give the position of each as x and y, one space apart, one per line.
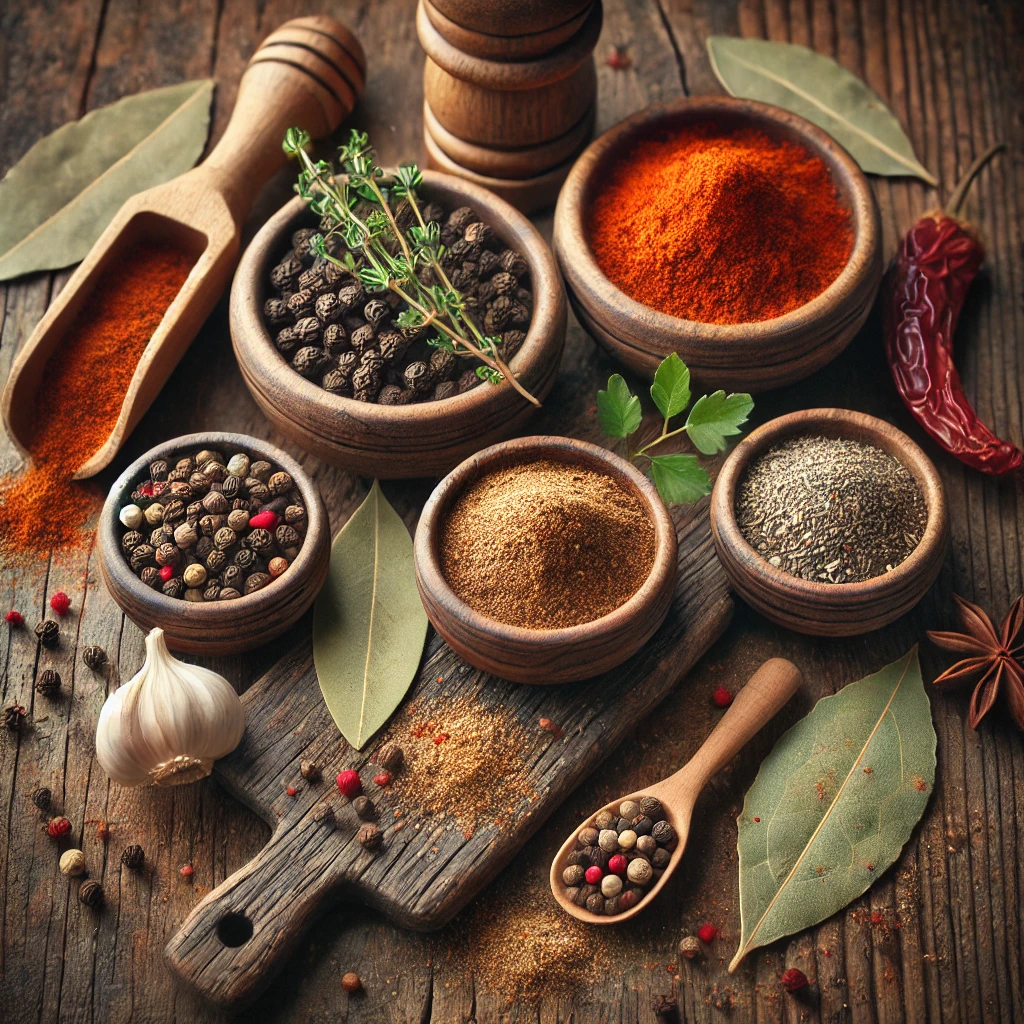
234 929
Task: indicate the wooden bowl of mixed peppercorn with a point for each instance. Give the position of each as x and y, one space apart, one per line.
221 540
818 497
732 232
330 365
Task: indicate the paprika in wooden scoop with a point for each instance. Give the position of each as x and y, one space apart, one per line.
310 72
927 285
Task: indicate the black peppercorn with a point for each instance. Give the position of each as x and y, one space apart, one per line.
511 343
91 894
309 770
417 377
663 833
133 857
445 389
257 581
375 311
150 575
131 540
287 341
300 243
351 295
366 378
487 265
301 304
309 361
504 283
312 280
287 536
286 274
478 233
48 632
48 683
443 365
392 345
461 218
363 338
14 717
370 836
327 308
364 807
246 559
42 798
468 381
513 263
335 340
336 382
232 578
391 394
308 331
277 314
174 587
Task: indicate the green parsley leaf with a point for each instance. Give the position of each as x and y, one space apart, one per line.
618 409
671 387
680 479
716 417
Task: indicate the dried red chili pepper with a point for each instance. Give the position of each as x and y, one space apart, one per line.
937 263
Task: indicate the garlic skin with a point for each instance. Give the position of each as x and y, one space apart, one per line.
169 723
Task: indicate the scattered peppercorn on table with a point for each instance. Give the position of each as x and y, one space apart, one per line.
96 877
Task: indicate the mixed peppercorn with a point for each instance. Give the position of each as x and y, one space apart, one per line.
619 857
332 332
206 528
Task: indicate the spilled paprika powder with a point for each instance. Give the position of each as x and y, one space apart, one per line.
80 397
719 226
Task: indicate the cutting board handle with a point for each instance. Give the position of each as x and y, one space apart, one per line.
240 935
307 74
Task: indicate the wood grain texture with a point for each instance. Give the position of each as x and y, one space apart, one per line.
823 609
422 876
751 357
938 938
545 656
410 440
216 627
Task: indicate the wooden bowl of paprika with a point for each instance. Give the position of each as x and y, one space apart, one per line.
758 301
829 609
217 627
545 655
399 441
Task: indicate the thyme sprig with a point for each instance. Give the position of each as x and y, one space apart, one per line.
355 206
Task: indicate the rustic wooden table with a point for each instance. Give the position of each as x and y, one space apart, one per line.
938 938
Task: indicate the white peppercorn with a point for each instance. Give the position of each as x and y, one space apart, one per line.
608 840
611 885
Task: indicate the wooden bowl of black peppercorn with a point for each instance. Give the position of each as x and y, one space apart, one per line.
216 626
424 438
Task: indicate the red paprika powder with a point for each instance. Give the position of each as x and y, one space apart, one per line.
720 226
80 396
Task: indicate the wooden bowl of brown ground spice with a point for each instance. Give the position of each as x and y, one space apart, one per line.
732 232
866 480
545 559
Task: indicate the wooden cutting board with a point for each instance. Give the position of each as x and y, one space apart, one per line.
430 865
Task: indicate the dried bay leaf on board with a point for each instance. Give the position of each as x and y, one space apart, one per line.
837 799
369 625
825 93
58 198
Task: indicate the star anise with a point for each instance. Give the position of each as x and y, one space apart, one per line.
992 659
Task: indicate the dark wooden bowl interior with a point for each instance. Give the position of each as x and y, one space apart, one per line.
426 438
217 627
754 356
545 655
823 608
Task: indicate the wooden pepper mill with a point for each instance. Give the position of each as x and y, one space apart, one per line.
509 89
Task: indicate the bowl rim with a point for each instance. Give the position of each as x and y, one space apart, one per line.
249 283
838 423
524 449
299 570
844 170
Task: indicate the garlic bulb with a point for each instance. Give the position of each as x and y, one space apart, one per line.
169 723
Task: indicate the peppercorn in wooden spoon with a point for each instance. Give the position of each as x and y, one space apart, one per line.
309 73
624 854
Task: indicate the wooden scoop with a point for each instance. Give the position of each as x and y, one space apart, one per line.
765 693
309 74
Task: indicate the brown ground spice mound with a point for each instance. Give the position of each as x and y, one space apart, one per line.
544 545
463 759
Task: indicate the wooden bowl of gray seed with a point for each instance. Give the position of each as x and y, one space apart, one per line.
222 540
830 522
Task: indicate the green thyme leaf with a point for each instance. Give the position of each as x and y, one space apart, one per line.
680 479
618 409
671 387
716 417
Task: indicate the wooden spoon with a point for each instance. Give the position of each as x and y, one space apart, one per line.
309 74
765 693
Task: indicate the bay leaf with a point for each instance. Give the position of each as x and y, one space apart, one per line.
837 799
57 199
369 625
822 91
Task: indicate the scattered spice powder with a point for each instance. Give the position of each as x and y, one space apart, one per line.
478 775
544 545
79 400
720 226
829 509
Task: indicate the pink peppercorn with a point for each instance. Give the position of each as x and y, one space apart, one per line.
291 791
793 980
594 874
707 933
721 698
15 618
186 870
265 520
166 572
58 828
60 602
617 864
349 784
383 779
